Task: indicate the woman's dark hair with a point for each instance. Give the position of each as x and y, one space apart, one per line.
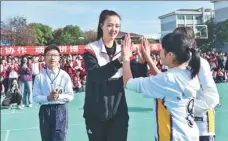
181 46
104 14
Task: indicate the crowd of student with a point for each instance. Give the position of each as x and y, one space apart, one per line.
19 73
218 63
24 69
184 103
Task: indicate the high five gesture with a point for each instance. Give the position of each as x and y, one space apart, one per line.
127 48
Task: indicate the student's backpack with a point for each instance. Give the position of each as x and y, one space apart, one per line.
7 101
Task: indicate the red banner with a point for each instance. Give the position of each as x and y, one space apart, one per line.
36 50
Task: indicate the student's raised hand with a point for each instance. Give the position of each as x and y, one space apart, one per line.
126 47
140 55
145 49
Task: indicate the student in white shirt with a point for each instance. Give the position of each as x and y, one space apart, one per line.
207 97
174 90
52 90
35 67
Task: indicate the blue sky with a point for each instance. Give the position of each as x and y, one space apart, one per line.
137 17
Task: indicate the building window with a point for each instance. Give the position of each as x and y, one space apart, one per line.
198 17
207 17
180 25
189 25
180 17
189 17
207 10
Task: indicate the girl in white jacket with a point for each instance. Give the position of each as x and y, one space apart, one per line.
174 91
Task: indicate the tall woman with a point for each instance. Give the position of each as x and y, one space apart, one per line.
105 108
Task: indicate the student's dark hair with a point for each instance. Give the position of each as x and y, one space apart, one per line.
188 31
185 30
104 14
181 46
22 58
213 55
51 47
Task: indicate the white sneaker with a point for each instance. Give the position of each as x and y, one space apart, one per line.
30 105
10 106
20 107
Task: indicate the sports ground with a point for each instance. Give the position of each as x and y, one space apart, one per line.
23 125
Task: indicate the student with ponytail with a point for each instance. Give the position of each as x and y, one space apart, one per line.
207 97
174 91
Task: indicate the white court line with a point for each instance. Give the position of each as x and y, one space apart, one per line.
18 112
140 118
5 113
21 112
13 112
80 124
20 129
7 135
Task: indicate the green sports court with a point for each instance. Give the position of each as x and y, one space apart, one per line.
23 125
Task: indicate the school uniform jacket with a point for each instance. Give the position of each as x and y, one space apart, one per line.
206 100
173 95
104 94
48 80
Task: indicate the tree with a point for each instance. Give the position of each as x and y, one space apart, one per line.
25 37
151 40
17 31
43 33
90 36
71 35
222 32
57 36
137 40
